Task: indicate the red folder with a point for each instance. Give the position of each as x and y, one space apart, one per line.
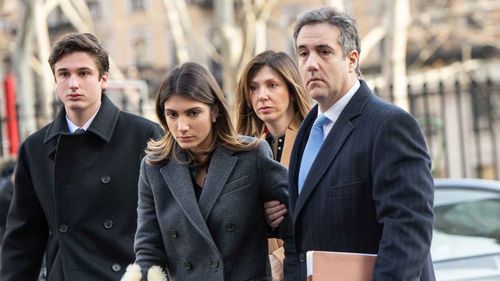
339 266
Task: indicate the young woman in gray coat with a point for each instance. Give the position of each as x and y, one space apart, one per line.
202 189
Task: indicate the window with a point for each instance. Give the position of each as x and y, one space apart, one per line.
140 47
94 9
137 5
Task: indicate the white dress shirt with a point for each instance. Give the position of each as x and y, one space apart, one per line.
334 111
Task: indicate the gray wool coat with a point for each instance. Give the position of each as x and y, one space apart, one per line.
221 237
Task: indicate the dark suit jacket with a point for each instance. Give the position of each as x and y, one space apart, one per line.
221 237
75 197
370 190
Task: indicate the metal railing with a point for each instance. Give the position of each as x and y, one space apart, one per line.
461 121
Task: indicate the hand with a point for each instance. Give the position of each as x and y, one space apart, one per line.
276 268
274 212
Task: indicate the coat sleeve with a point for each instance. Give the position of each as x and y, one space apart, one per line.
273 179
156 132
403 192
5 199
26 230
148 243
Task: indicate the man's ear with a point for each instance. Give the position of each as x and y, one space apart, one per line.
353 58
104 80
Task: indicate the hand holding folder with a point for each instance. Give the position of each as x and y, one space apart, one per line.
339 266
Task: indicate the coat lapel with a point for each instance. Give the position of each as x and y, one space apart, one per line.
296 155
221 166
103 125
329 150
179 182
57 127
290 135
332 145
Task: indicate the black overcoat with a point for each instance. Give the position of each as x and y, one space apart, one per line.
369 190
76 198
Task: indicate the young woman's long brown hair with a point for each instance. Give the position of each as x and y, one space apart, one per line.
193 81
248 123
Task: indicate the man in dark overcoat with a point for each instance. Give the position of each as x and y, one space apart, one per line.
360 178
75 194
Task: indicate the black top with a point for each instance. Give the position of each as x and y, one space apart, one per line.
193 169
277 151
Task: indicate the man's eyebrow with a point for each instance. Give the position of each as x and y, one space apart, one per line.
84 68
78 69
323 46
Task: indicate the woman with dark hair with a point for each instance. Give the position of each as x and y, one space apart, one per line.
271 105
202 189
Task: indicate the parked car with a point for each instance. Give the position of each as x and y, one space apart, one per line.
466 241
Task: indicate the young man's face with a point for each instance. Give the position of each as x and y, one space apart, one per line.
78 84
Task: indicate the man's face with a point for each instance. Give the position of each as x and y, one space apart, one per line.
78 84
325 71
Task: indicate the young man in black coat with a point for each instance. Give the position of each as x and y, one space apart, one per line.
75 197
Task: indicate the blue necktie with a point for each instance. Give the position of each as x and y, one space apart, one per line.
312 148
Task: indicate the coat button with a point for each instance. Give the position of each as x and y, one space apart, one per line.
108 224
214 263
173 234
105 179
188 266
43 274
302 257
116 267
230 227
63 228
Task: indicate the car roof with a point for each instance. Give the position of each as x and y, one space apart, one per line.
468 183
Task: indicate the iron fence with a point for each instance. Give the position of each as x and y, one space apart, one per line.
461 121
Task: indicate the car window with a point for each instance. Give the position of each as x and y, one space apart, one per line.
467 223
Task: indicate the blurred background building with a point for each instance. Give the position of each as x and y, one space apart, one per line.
438 59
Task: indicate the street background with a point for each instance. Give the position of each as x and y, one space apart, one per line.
438 59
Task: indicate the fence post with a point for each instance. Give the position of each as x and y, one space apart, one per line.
474 93
443 128
124 102
491 121
461 142
411 103
427 117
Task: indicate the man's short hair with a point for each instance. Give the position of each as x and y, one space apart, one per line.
80 42
348 39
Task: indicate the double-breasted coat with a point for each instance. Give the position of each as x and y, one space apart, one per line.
75 197
221 237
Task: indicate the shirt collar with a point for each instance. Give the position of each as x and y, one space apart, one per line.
72 127
334 111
